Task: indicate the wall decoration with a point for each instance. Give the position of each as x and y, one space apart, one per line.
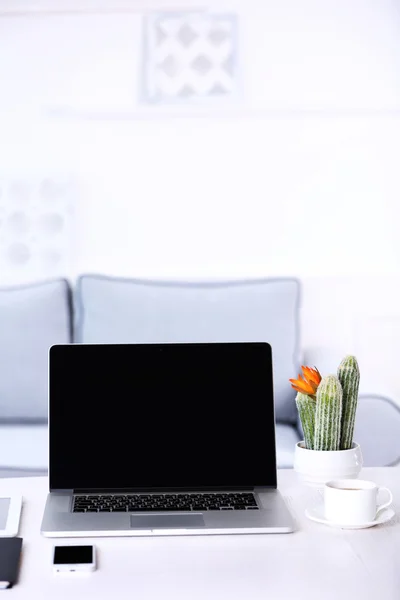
35 227
190 56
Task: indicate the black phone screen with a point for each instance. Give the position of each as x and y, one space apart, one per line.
73 555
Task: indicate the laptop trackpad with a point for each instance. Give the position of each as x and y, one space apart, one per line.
167 521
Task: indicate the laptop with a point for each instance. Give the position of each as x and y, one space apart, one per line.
162 439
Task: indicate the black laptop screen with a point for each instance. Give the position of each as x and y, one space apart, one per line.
144 416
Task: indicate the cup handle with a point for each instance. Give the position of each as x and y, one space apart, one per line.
385 504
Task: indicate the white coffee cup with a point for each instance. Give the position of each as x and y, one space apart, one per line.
353 501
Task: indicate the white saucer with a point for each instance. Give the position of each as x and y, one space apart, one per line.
316 513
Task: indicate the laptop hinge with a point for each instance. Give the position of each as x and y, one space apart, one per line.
159 490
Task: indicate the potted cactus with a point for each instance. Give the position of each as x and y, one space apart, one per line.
327 410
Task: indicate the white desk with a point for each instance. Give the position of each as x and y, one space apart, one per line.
315 562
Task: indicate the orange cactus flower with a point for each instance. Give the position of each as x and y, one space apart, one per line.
308 382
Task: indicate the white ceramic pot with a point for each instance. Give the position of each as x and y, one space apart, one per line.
315 467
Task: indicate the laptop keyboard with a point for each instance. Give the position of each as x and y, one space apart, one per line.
164 502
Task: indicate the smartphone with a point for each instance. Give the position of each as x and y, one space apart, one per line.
68 559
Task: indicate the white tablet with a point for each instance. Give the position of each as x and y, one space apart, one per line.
10 513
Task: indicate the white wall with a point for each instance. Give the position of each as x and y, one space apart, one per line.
297 176
358 315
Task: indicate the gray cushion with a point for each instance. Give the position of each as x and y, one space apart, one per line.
112 310
287 437
32 318
377 430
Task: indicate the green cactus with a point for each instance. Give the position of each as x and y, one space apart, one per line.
349 377
306 406
328 414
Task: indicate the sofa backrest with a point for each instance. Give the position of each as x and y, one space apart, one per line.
115 310
32 318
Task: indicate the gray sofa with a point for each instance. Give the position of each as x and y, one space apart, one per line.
101 309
